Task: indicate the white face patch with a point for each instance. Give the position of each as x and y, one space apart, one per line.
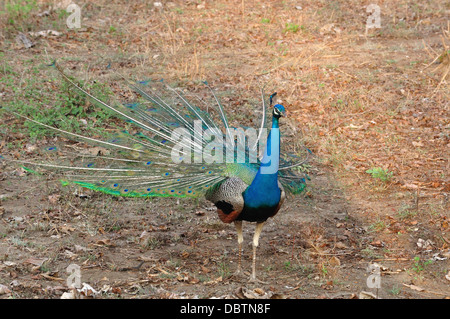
276 111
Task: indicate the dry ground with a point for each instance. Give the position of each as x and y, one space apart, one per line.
358 101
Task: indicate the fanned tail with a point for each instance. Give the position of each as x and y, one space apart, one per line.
138 164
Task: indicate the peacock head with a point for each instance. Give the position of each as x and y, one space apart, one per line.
279 111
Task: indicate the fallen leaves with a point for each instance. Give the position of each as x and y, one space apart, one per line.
367 295
214 281
38 262
54 198
257 293
413 287
378 243
186 277
45 33
85 292
104 242
424 244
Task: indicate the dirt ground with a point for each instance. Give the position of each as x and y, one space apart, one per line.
358 99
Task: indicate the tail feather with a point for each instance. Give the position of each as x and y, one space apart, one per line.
141 164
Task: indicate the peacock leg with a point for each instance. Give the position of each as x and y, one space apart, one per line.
240 236
256 236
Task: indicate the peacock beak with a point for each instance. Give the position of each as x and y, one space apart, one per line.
279 111
283 113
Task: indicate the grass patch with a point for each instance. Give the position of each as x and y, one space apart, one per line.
419 265
17 12
291 27
52 101
377 226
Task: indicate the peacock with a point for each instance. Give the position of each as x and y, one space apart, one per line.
172 147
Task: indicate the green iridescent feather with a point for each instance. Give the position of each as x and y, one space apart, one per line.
138 163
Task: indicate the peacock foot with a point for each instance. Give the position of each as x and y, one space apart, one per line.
238 273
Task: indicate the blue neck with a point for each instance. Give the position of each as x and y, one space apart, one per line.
264 191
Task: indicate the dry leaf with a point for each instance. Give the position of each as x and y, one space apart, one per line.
9 263
53 199
334 261
68 295
242 293
104 242
341 245
215 281
30 148
366 295
66 229
445 253
88 291
36 261
205 270
377 243
69 254
259 291
424 244
185 254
